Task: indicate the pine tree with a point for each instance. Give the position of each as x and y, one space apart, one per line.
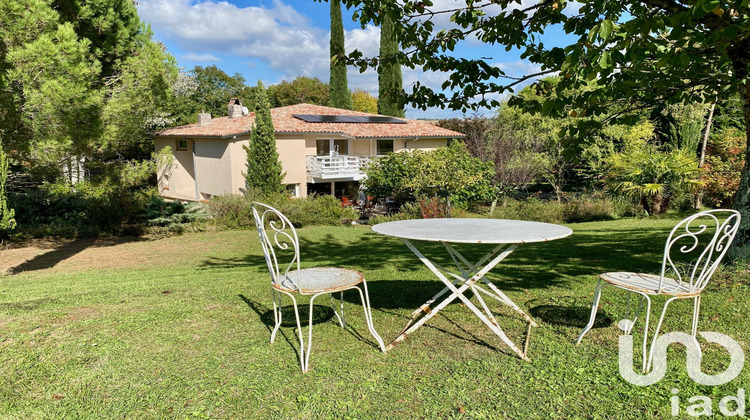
6 215
79 80
263 167
340 97
390 80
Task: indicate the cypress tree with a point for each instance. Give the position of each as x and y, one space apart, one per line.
390 80
6 215
263 167
338 87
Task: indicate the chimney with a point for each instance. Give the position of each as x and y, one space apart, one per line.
234 109
204 119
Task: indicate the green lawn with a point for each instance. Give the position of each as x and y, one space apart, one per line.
180 327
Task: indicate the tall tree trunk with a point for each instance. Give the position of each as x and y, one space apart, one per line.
741 244
699 194
739 55
492 208
338 85
656 203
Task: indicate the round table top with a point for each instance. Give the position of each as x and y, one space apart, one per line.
473 231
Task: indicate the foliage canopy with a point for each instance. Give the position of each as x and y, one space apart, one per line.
81 82
639 52
447 172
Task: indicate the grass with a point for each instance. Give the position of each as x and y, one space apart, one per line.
179 327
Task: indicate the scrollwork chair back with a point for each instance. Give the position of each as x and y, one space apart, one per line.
695 248
278 245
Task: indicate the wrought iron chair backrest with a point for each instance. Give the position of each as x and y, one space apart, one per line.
702 239
282 237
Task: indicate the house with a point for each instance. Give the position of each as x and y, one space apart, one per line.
322 150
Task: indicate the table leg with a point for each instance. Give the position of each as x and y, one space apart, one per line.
425 308
468 279
499 295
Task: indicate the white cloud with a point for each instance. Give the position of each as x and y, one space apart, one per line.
201 57
279 35
366 40
518 68
285 41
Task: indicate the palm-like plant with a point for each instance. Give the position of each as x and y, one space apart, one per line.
649 174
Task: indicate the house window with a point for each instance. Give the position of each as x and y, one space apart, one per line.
325 147
182 144
292 189
384 147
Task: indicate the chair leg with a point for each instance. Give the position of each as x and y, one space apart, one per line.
645 332
656 332
306 351
368 315
637 314
696 313
343 317
594 307
631 322
302 359
276 298
340 316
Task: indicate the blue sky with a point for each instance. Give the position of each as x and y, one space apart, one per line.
277 40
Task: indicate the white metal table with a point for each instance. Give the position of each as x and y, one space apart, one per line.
507 234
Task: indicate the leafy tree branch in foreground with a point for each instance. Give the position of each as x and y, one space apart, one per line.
639 53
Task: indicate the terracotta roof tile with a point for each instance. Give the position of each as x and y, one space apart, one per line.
284 122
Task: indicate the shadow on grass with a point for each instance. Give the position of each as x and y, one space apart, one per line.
66 250
28 305
567 311
320 313
590 251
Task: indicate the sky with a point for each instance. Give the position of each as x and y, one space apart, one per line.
276 40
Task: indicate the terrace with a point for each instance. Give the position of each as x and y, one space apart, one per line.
325 168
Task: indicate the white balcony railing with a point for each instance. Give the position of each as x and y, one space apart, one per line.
339 166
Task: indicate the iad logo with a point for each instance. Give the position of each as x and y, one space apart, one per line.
700 405
693 360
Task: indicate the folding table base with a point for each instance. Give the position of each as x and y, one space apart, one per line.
468 279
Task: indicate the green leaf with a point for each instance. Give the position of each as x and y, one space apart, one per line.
605 29
605 61
710 5
592 33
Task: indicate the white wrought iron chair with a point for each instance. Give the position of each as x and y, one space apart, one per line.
277 233
701 240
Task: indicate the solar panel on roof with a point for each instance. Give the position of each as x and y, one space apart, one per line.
308 118
356 119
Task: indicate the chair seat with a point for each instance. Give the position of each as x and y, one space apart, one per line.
320 279
648 283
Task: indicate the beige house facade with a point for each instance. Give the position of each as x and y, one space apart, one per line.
322 150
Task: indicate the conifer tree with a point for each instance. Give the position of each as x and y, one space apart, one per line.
390 80
340 97
6 215
263 167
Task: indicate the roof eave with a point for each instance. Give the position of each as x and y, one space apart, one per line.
224 136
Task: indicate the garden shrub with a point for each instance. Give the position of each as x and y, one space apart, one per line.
721 171
374 220
628 208
587 208
233 211
165 217
82 209
531 208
